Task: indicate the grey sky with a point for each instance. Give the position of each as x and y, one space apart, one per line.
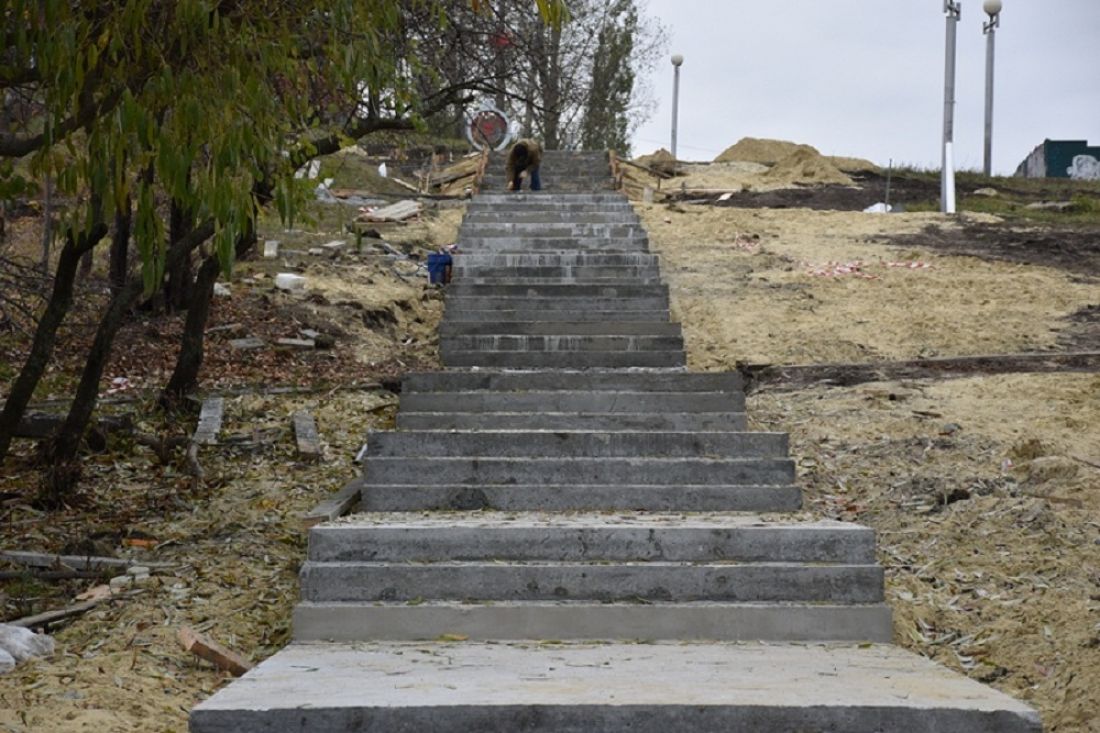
865 77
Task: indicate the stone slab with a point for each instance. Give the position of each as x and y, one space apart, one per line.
572 315
452 342
581 328
575 688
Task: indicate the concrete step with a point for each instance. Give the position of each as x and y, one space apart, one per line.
591 444
528 200
631 537
572 380
459 302
560 291
540 328
506 580
558 421
509 279
674 359
489 470
580 620
638 243
571 315
564 274
582 498
614 216
572 258
571 343
612 688
573 401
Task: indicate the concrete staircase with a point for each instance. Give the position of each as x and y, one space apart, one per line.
564 491
562 171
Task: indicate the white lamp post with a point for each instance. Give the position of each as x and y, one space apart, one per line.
677 61
992 8
953 9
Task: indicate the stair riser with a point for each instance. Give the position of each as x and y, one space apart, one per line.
559 292
562 401
612 544
453 329
657 422
587 498
580 445
358 582
494 315
574 622
565 359
460 303
490 245
570 343
468 260
594 381
565 274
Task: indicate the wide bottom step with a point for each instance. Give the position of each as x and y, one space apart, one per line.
575 688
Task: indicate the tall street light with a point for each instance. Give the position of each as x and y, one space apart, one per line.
953 9
992 8
677 61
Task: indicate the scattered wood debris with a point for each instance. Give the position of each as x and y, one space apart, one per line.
342 502
400 211
213 652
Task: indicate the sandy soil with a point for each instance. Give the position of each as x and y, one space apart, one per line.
983 490
801 286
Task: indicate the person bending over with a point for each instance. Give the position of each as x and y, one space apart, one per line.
524 157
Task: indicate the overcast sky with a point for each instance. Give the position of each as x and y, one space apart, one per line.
865 77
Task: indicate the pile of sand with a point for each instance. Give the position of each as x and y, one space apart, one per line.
771 152
660 161
759 150
805 165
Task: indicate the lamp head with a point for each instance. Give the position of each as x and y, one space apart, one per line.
992 7
677 59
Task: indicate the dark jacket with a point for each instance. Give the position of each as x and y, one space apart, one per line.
517 162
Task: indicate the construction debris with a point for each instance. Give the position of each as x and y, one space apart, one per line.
306 436
401 211
213 652
18 644
210 421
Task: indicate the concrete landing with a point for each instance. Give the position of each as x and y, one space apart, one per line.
580 688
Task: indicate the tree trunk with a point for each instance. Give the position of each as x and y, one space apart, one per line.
120 246
552 92
178 289
47 227
185 377
63 470
45 335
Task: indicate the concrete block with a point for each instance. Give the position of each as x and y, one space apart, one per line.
629 381
573 401
568 359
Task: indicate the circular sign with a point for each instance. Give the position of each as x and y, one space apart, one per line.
488 128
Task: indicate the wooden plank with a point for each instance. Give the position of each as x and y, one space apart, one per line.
394 212
210 421
339 504
49 617
75 562
41 425
305 434
213 652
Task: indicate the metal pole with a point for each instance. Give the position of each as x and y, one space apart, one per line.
990 39
675 105
947 188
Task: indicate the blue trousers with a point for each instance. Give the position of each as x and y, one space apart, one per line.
533 173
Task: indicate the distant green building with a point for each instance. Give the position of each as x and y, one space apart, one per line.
1062 159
